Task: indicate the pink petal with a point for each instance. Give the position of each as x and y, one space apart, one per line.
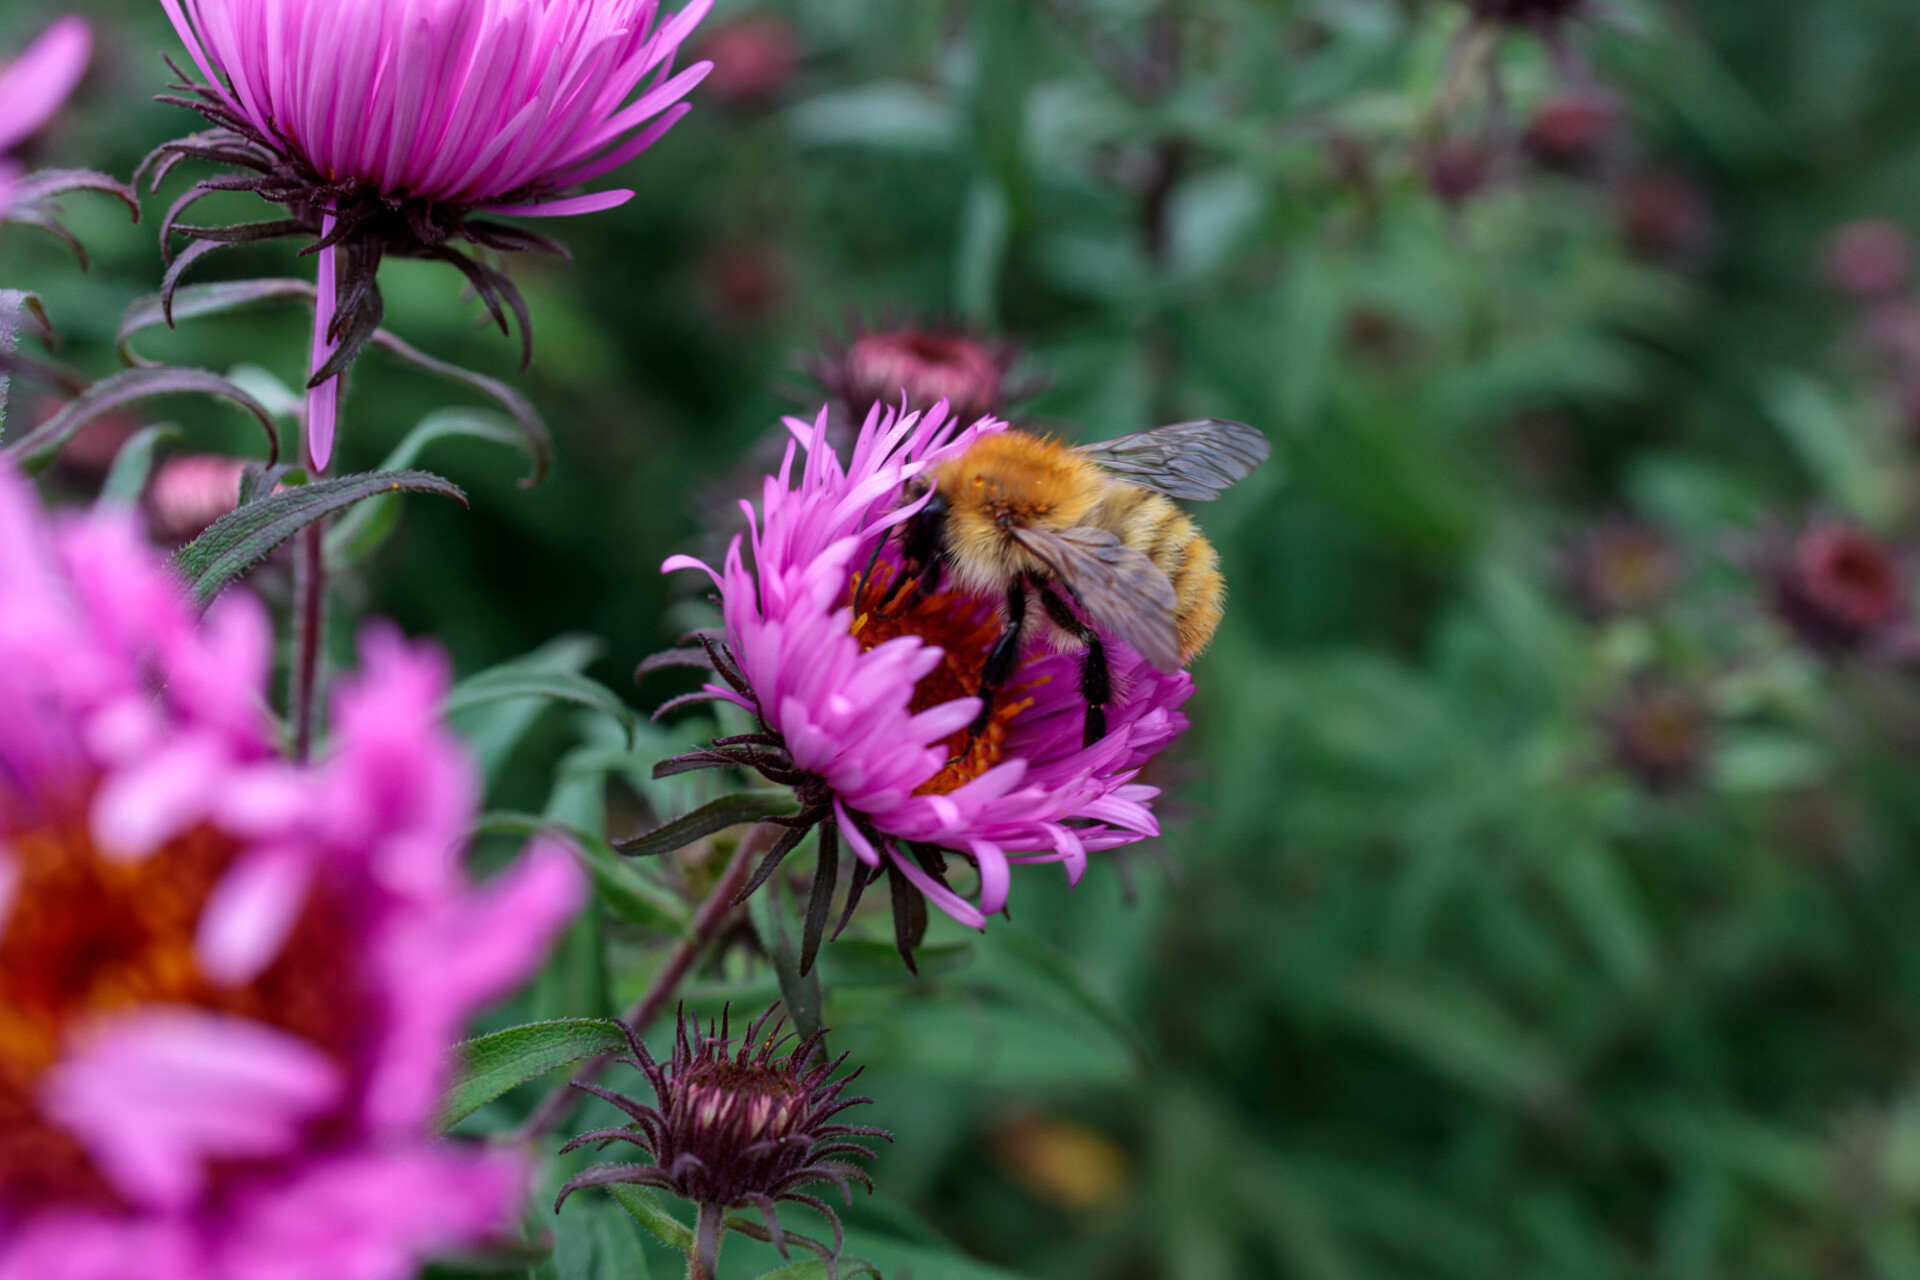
34 86
156 1093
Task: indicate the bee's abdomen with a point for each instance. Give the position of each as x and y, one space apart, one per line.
1152 525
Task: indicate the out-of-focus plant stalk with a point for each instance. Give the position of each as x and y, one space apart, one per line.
706 925
309 632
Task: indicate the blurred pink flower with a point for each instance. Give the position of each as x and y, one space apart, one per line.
33 86
190 492
1869 259
228 984
871 710
390 121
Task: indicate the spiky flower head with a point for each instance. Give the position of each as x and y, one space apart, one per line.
737 1124
867 711
1840 589
925 365
397 126
1661 734
1622 567
229 984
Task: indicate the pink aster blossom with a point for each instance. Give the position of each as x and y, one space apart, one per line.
400 118
228 984
871 715
33 86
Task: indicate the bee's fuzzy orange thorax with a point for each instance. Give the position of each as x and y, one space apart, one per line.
1008 479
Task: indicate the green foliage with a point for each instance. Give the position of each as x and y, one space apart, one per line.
1433 987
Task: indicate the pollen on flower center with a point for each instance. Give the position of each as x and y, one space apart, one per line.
85 937
965 628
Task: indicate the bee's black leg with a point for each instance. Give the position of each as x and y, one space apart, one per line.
1096 676
999 665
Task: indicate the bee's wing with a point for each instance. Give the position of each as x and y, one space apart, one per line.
1192 460
1119 587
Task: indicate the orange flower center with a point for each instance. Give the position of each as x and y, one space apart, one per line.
965 628
85 937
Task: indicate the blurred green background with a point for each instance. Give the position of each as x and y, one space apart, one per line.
1499 930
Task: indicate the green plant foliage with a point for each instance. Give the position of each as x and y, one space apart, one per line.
1438 971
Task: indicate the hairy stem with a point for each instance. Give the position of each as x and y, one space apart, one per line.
706 926
310 563
309 631
703 1260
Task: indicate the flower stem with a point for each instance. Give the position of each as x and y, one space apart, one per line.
706 925
309 630
703 1260
310 563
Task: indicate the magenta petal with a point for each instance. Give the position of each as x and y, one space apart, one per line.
157 1093
564 208
35 84
323 401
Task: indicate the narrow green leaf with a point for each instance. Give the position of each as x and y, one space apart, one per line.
492 732
716 815
493 1064
619 887
242 538
651 1214
509 682
773 921
134 464
35 450
362 530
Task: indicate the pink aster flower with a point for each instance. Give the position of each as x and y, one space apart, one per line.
386 126
228 983
867 714
32 87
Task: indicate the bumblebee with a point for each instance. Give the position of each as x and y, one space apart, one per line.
1080 540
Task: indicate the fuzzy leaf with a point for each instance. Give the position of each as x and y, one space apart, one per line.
368 525
716 815
242 538
134 464
491 1065
651 1214
35 450
509 683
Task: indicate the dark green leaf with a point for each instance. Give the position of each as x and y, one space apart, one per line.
773 921
494 1064
242 538
716 815
364 528
510 682
39 447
